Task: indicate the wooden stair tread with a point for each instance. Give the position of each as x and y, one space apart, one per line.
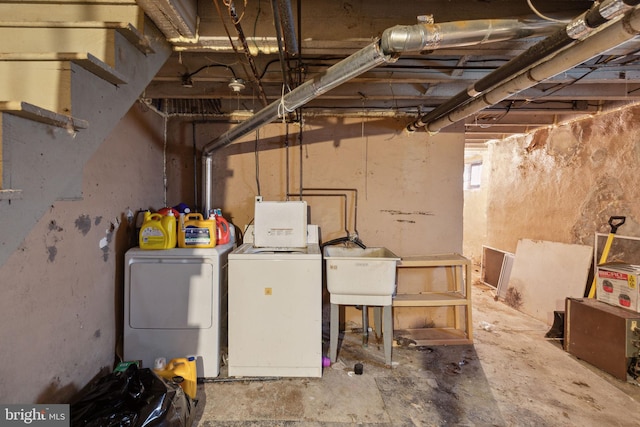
128 31
10 194
35 113
73 10
62 2
84 59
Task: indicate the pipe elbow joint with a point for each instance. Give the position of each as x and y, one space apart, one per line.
408 38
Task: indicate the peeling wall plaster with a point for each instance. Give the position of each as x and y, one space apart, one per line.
83 223
61 305
52 237
563 184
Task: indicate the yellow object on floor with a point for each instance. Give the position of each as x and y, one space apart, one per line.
184 367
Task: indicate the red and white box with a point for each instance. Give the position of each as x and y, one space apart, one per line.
618 285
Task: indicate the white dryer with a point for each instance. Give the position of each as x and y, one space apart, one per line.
172 305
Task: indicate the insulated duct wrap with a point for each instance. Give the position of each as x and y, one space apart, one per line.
424 37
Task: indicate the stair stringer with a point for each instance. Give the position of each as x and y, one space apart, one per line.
41 161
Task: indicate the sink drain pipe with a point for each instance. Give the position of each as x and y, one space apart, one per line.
394 41
577 29
607 38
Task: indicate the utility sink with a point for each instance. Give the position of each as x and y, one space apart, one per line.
357 276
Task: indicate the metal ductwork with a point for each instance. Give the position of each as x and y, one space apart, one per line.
608 37
428 36
394 41
576 30
358 63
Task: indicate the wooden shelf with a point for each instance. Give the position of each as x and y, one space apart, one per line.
459 297
430 299
435 336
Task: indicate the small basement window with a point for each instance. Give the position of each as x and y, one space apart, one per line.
472 175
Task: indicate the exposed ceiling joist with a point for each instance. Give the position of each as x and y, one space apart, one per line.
415 84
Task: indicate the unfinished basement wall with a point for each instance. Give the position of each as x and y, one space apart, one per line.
409 187
476 189
563 184
62 289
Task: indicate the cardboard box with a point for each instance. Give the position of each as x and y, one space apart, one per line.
618 285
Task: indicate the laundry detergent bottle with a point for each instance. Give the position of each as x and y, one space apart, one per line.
222 228
196 232
182 370
158 231
170 223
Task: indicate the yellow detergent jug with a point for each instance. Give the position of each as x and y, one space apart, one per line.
158 231
184 367
196 232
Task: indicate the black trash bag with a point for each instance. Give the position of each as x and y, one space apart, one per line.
133 398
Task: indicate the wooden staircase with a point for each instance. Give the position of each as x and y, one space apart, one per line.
70 70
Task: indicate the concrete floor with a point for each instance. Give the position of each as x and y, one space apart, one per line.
510 376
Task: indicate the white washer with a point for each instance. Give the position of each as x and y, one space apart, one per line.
275 312
172 305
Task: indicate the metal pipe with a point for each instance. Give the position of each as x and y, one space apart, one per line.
286 172
355 198
207 184
365 326
277 23
394 40
577 29
358 63
427 36
195 163
288 29
301 152
354 65
344 196
608 37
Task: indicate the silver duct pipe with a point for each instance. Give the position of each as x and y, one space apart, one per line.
577 29
429 36
353 66
607 38
357 64
393 42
